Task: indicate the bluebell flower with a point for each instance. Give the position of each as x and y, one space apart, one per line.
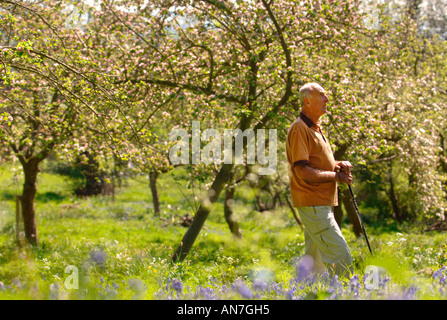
224 289
259 285
177 285
277 288
54 291
354 283
383 281
167 283
304 268
289 294
17 283
136 284
440 275
206 293
98 256
243 290
410 292
335 283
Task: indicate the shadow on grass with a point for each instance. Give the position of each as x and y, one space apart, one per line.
50 196
41 197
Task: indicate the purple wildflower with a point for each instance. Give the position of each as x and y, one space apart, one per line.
289 294
98 256
136 285
177 285
243 290
335 283
440 275
410 292
355 284
54 291
277 288
17 283
224 289
383 281
206 293
304 268
259 285
168 281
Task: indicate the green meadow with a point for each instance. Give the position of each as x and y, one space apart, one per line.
113 247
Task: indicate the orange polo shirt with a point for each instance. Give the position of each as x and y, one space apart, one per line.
307 145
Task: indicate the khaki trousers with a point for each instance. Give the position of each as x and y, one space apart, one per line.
324 241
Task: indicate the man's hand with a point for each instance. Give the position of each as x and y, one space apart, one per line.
344 178
344 166
343 169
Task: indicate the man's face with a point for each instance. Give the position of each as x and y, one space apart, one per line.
318 100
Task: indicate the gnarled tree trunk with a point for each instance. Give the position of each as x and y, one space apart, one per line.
202 213
153 175
393 197
352 213
339 154
228 211
338 212
30 169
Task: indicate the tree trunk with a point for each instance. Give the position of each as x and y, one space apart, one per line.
153 175
338 212
393 199
228 211
222 177
352 213
18 214
295 214
30 169
443 157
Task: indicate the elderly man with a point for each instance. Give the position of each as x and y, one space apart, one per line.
314 174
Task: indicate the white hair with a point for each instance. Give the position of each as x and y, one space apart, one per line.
305 91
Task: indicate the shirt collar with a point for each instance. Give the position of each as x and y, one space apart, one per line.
311 124
307 121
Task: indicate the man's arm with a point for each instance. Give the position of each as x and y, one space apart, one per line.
312 175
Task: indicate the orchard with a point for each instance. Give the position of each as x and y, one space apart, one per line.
143 147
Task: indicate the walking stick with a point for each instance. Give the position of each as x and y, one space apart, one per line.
360 218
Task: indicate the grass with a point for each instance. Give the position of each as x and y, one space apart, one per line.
122 251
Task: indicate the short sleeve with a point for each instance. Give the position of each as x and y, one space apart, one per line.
298 146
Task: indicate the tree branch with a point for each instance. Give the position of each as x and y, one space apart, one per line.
288 85
189 87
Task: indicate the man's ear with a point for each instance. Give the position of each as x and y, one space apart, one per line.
305 100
